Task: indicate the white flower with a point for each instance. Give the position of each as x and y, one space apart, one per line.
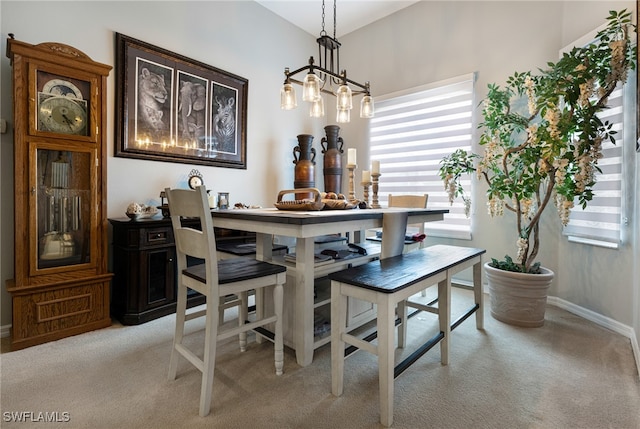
531 95
495 206
564 208
553 118
467 206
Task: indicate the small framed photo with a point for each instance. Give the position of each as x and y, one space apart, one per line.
172 108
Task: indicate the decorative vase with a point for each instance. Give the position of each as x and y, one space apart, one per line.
332 159
304 157
518 299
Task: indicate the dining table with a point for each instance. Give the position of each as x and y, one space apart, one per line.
305 227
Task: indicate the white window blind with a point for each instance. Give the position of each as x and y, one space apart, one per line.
600 222
411 132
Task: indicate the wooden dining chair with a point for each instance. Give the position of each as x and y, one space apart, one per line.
216 279
407 201
414 202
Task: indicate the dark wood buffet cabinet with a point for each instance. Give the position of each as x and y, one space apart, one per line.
144 267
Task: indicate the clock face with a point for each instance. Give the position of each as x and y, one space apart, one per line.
195 179
62 104
62 115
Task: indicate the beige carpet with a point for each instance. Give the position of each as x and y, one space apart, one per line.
570 373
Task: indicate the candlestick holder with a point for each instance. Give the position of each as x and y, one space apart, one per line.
374 181
366 185
352 194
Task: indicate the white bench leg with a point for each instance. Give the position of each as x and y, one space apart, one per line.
402 328
386 354
444 317
338 327
479 296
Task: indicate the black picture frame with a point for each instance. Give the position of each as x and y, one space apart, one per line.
176 109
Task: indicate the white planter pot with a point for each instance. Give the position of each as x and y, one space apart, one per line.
518 298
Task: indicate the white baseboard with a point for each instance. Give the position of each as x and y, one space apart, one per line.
598 319
636 353
605 322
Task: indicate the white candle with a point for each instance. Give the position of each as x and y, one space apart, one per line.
375 167
351 157
366 176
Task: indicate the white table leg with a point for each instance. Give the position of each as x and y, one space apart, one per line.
264 250
264 247
303 308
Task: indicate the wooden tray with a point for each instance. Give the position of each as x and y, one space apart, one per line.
300 205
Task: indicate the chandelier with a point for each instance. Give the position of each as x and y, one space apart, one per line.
326 78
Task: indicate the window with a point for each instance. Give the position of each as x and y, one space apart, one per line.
411 132
600 223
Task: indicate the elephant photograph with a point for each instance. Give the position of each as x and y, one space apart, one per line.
191 111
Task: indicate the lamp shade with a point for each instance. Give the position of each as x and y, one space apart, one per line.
344 99
366 107
311 87
288 97
317 108
343 116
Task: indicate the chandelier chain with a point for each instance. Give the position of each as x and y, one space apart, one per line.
323 32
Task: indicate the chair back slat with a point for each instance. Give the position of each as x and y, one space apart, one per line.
409 201
186 203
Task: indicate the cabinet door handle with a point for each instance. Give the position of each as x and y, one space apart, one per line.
170 259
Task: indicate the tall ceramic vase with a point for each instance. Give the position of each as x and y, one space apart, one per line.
304 157
332 150
518 299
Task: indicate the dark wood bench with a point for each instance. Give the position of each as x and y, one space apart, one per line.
389 283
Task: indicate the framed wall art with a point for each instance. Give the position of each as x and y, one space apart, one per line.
172 108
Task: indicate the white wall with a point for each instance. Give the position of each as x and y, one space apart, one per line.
243 38
431 41
426 42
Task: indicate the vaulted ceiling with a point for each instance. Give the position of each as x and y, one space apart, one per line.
350 14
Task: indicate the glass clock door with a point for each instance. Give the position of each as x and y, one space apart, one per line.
64 197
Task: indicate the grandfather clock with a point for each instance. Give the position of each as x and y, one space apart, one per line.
61 284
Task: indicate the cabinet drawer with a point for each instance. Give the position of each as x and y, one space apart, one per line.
156 236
